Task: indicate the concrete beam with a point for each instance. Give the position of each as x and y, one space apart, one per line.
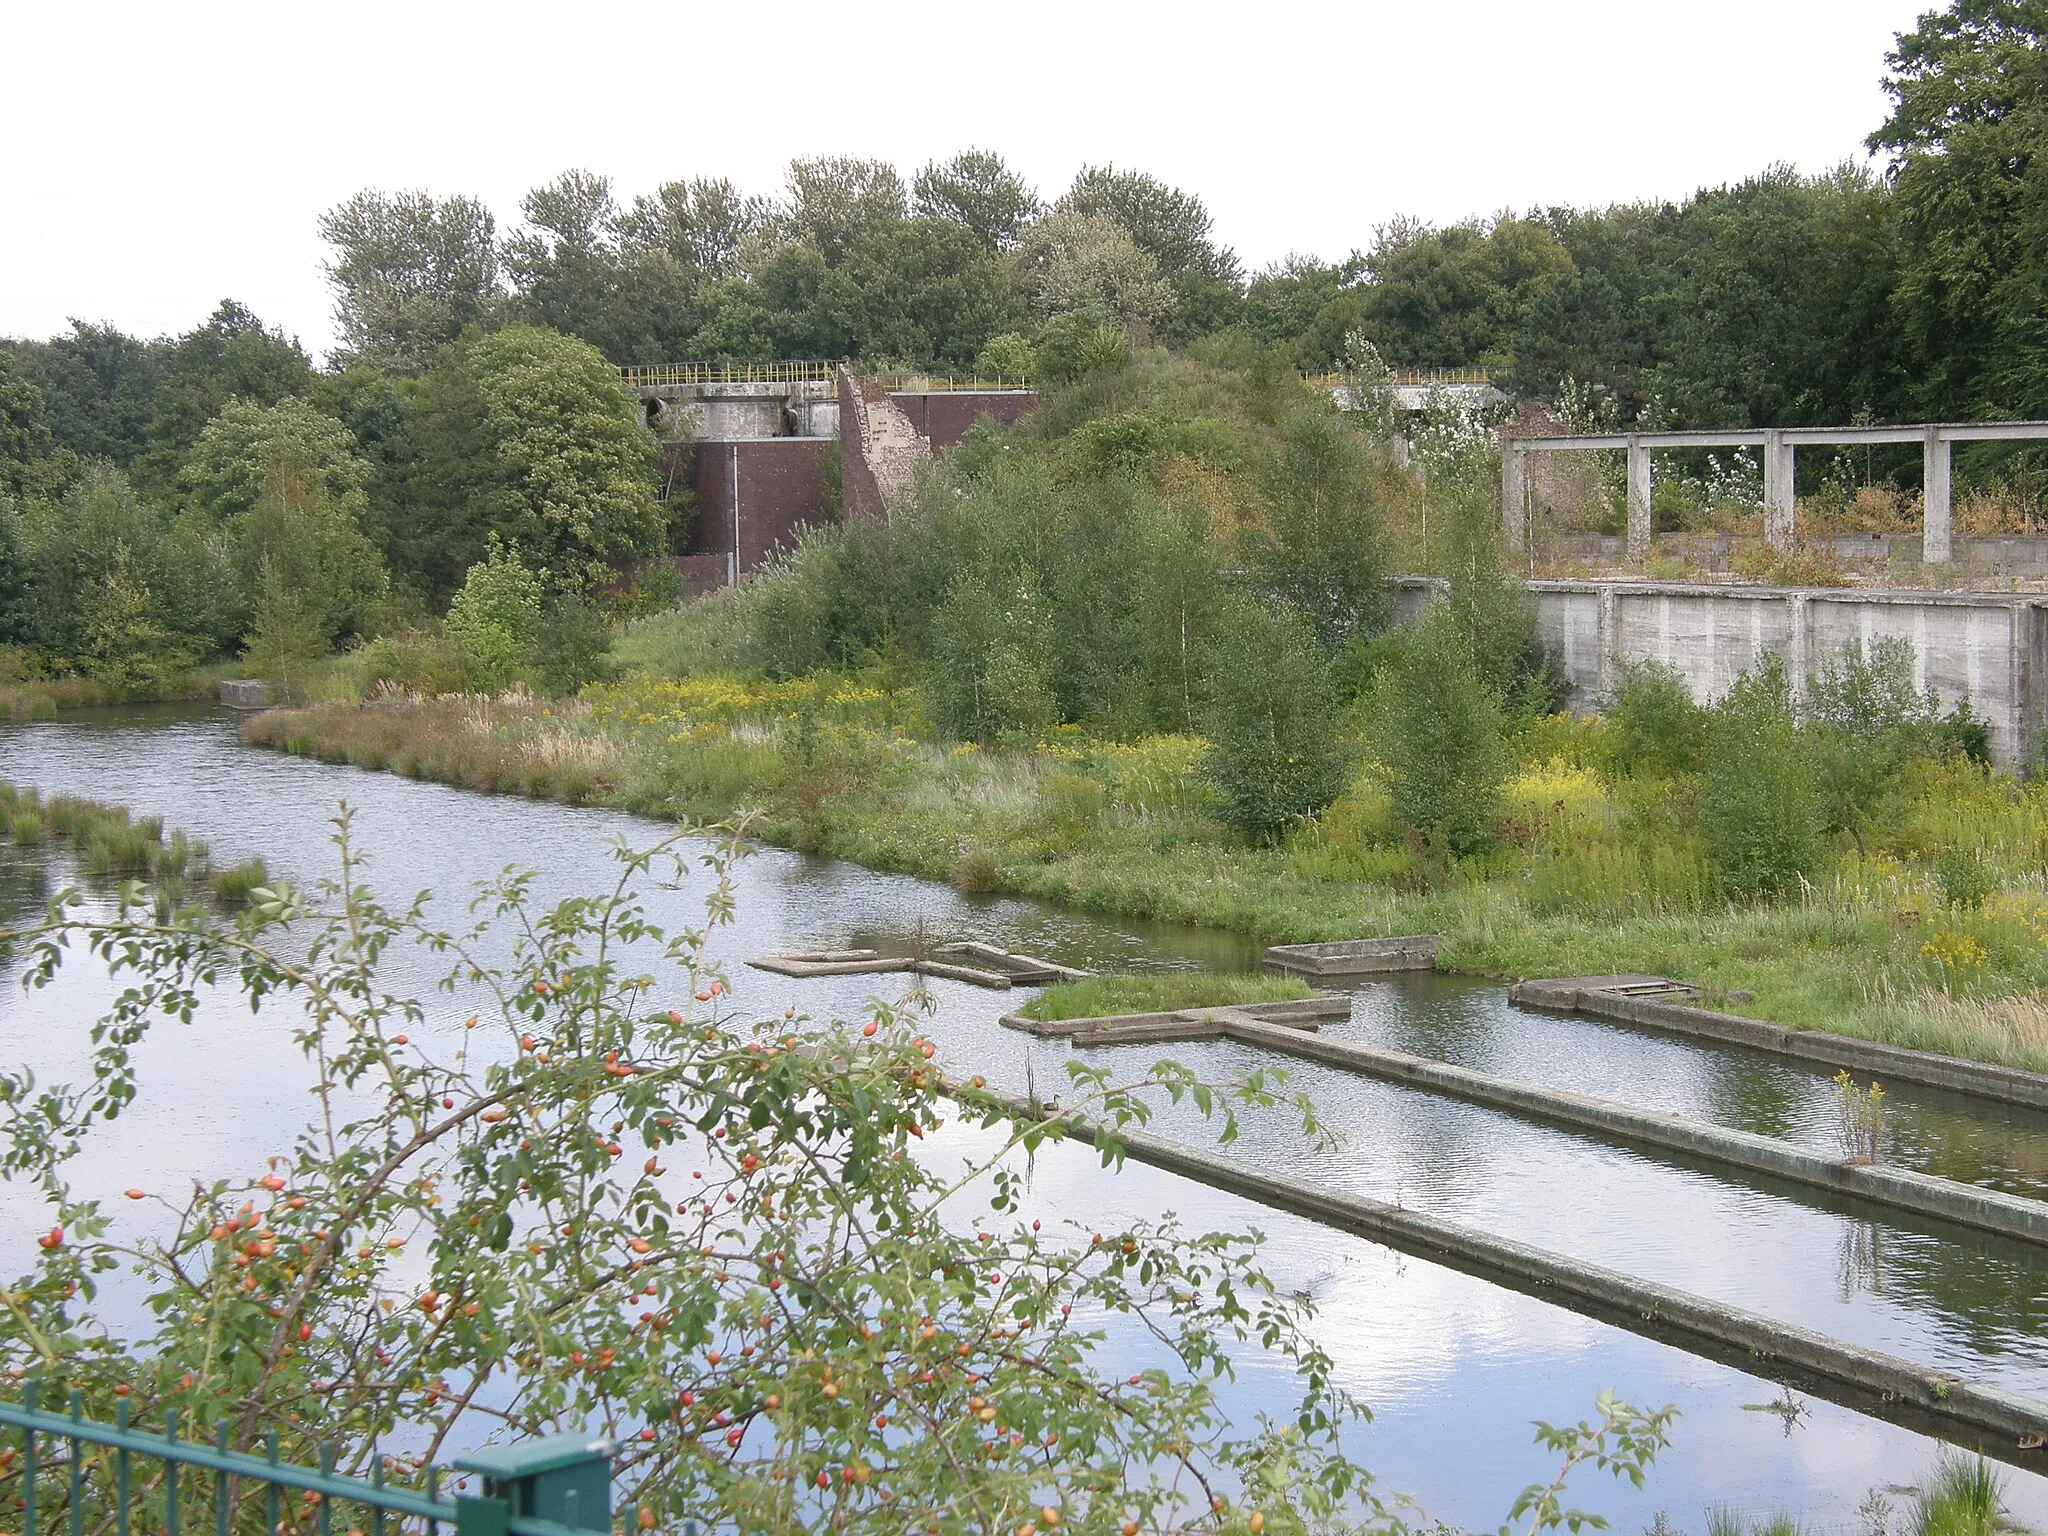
1780 502
1865 1380
1799 437
1901 1189
1638 500
1598 997
1937 501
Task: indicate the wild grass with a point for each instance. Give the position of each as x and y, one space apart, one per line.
1585 876
113 846
1161 992
1962 1496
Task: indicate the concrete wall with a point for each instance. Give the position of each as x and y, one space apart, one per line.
1991 648
2015 555
753 495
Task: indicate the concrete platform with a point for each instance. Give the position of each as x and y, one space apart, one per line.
1357 957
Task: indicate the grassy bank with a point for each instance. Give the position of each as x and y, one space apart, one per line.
1877 947
1161 992
34 698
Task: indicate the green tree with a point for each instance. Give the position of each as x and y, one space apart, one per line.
101 537
1174 229
1321 548
302 567
833 200
233 356
919 291
245 444
529 435
1069 263
992 661
1441 737
705 226
494 619
1760 808
129 649
1864 719
409 272
1654 726
979 192
1277 752
98 387
1461 296
1969 88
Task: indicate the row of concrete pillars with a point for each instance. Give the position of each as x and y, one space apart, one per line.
1780 500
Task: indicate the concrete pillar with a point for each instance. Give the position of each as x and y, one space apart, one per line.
1938 500
1638 501
1779 502
1607 638
1799 665
1514 492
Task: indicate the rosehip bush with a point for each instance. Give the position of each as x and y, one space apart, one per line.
783 1264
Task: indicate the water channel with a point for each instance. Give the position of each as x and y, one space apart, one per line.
1454 1368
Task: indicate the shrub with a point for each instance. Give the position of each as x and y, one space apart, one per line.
991 662
1653 725
1442 738
493 619
571 644
415 661
1277 750
1963 880
1760 808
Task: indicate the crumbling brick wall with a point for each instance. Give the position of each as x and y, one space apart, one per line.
879 447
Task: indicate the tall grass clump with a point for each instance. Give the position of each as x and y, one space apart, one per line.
1962 1496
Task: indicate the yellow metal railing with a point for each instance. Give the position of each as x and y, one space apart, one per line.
810 371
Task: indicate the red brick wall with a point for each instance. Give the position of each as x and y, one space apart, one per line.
943 416
780 481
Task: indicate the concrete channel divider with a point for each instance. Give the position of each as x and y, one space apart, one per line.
1923 1194
1866 1380
1647 1001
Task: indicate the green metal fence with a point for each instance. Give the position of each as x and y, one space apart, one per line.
77 1475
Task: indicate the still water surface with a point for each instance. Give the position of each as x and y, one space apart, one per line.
1455 1368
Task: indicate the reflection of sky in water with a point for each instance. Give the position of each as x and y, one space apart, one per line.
1454 1368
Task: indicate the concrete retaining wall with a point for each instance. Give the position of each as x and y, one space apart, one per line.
1866 1380
1988 647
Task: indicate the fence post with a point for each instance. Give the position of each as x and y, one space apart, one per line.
564 1478
1937 499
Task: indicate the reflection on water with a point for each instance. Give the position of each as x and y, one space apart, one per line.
1455 1369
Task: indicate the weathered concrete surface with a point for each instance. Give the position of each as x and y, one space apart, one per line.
1988 647
245 693
1609 997
1866 1380
1358 957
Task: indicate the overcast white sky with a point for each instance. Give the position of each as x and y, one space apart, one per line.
161 157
